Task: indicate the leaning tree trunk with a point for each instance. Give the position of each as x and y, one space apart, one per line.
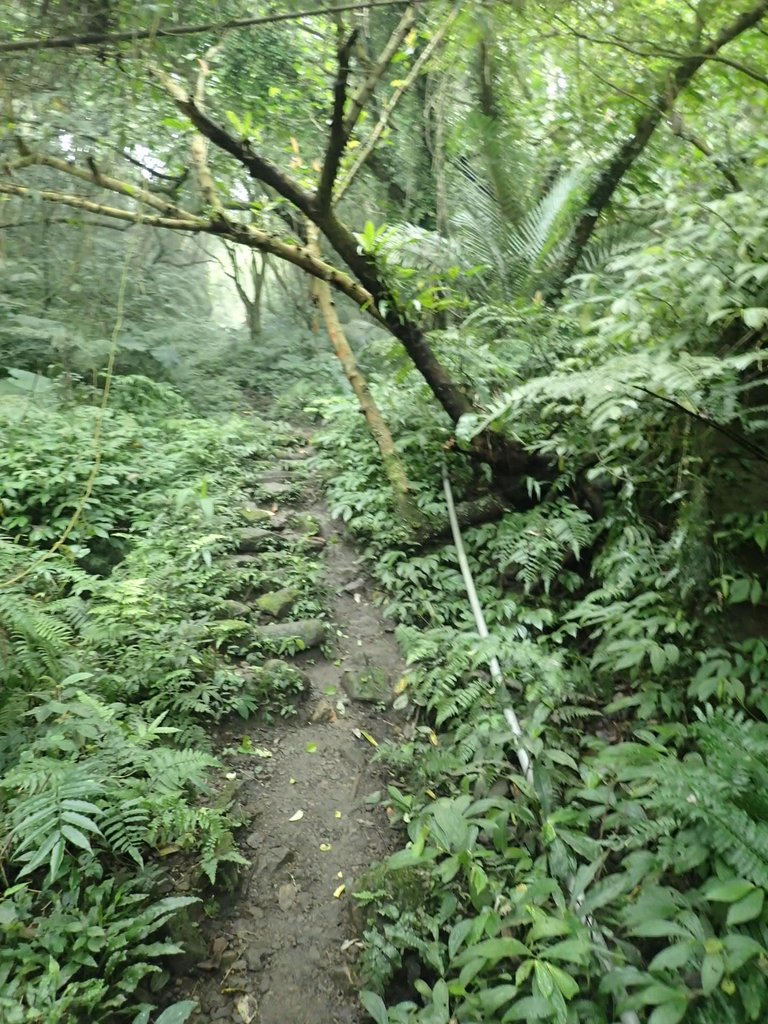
380 432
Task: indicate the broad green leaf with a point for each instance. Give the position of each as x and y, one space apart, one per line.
746 909
440 996
544 979
562 757
76 837
547 928
739 949
530 1008
178 1013
604 892
374 1006
459 931
671 1012
492 999
712 970
731 891
755 316
673 957
493 950
567 985
659 993
574 950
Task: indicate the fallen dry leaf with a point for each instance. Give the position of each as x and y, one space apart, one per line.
246 1007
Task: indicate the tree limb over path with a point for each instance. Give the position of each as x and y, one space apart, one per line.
99 38
242 234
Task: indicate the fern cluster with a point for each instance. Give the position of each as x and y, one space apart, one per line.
114 660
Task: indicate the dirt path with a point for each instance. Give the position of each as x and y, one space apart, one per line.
284 952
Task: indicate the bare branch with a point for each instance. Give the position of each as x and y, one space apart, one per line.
397 95
742 68
660 51
198 147
35 222
182 223
94 177
682 131
337 138
176 180
365 91
243 234
99 38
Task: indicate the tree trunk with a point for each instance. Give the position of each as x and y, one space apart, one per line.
379 430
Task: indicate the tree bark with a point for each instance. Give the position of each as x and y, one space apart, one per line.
376 424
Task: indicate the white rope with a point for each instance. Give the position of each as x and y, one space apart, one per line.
526 766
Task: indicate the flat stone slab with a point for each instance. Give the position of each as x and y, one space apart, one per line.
275 487
253 514
372 686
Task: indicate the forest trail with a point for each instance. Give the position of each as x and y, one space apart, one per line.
283 951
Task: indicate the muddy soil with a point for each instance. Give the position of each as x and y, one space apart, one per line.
283 951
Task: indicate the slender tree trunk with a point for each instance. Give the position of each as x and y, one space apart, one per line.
379 430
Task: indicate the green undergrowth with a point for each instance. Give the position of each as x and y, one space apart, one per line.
120 649
626 607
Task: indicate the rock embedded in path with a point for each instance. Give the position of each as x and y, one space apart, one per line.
313 542
275 488
354 586
309 632
231 609
304 523
372 686
278 603
284 672
253 514
254 539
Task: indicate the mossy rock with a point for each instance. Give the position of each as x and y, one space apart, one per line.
408 889
277 488
252 514
307 633
254 539
306 524
231 609
372 686
285 677
278 603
